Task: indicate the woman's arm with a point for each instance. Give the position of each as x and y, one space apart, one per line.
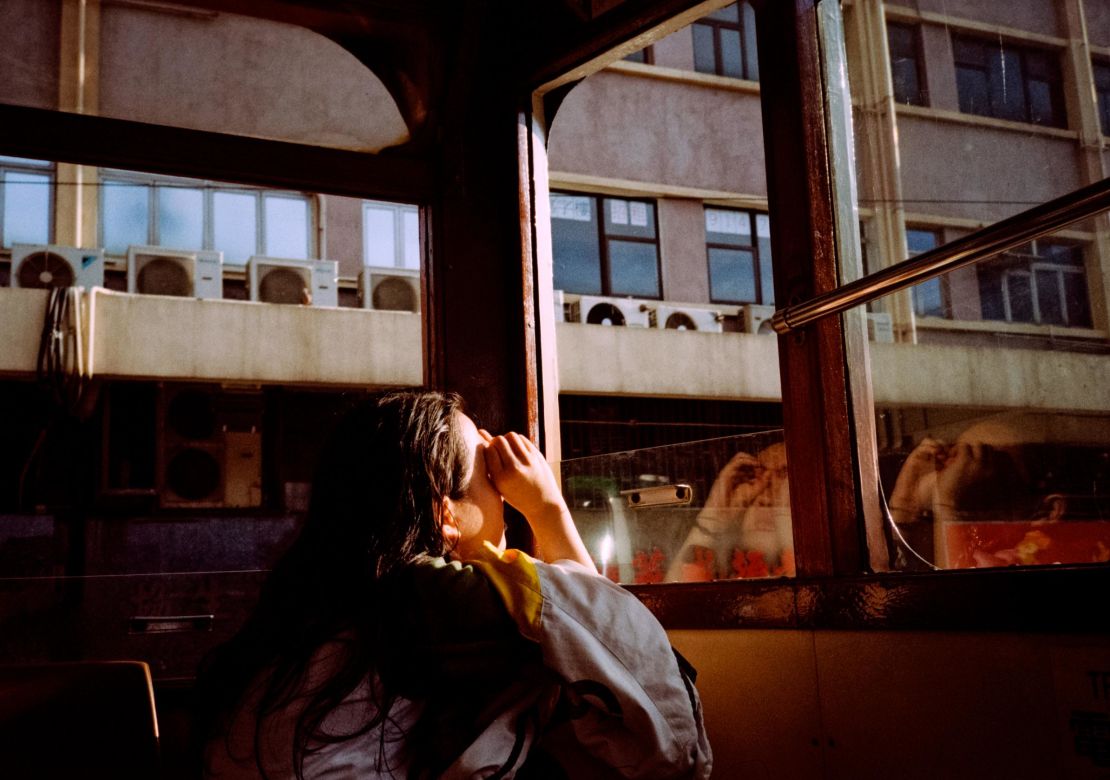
521 474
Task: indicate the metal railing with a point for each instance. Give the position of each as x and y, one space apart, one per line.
980 245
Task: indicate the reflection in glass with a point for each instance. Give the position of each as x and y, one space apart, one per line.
125 215
234 225
26 199
695 512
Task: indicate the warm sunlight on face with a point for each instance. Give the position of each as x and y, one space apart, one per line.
480 513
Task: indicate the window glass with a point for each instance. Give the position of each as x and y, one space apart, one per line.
1102 87
992 439
633 268
125 215
26 215
695 512
180 217
741 274
286 227
378 235
410 226
235 225
1008 81
905 67
575 243
724 43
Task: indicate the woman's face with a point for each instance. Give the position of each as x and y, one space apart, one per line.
479 515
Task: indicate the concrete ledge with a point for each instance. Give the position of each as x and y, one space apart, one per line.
21 315
933 375
181 338
648 362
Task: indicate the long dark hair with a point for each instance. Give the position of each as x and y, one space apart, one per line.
376 507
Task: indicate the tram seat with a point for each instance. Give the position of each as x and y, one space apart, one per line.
86 719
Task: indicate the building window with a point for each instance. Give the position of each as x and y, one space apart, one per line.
738 245
645 55
724 43
930 298
1043 282
997 79
191 214
390 235
605 246
26 195
904 42
1102 86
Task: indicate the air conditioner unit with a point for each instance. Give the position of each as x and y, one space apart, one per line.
209 447
688 318
598 310
757 318
155 270
880 327
281 280
389 289
46 266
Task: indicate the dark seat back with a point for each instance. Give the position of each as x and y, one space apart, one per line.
87 719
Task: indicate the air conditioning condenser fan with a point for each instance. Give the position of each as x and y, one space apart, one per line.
284 285
45 269
165 276
605 314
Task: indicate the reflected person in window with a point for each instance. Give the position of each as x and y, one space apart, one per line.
398 637
744 528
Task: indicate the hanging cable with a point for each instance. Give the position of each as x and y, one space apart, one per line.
59 366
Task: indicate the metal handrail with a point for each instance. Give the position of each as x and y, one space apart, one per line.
980 245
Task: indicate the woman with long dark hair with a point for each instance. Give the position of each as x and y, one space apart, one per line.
398 637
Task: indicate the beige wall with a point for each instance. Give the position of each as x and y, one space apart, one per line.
953 162
29 34
239 75
663 132
343 233
682 247
1098 21
1030 15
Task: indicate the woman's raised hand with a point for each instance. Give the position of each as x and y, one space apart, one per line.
521 474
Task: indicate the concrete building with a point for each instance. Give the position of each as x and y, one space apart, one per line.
659 217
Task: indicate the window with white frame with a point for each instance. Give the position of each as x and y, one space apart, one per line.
390 235
930 298
1044 282
191 214
26 198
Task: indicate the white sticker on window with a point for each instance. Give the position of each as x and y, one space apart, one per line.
732 223
618 212
574 207
638 214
